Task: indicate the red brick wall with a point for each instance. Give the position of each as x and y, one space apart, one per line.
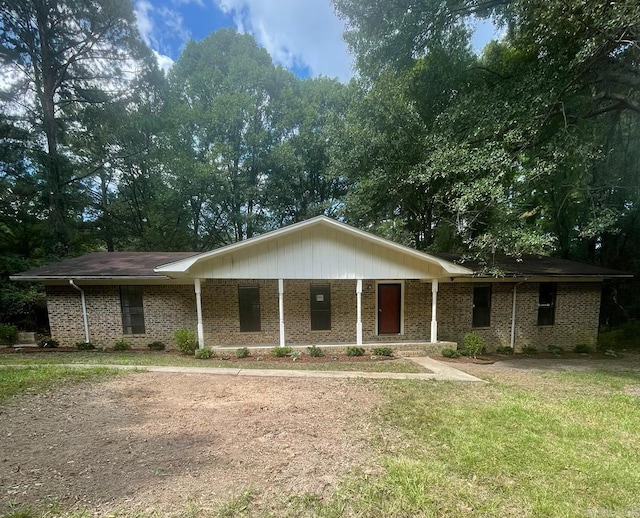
169 307
576 317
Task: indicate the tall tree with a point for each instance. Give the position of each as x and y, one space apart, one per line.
530 130
303 183
225 95
65 55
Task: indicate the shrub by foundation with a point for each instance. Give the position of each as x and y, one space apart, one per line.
186 340
473 344
242 352
121 345
204 354
281 352
8 334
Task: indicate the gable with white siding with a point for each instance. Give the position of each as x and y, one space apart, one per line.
320 248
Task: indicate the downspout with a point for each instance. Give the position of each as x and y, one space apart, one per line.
85 319
513 316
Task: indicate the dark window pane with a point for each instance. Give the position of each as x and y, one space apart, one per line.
547 304
132 310
320 307
482 305
249 304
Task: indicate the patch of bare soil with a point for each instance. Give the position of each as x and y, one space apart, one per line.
156 440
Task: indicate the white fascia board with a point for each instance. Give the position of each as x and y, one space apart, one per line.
182 266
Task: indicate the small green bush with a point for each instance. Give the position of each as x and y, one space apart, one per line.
555 349
204 354
504 350
450 353
121 345
630 331
315 351
527 349
186 340
473 344
354 351
382 351
85 346
243 352
295 355
157 346
582 349
8 334
281 352
48 343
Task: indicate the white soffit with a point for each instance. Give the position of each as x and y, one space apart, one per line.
319 248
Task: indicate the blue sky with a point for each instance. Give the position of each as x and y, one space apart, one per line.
304 36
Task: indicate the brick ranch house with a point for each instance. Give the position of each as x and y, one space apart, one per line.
318 282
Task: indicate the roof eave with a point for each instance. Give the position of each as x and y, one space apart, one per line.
39 278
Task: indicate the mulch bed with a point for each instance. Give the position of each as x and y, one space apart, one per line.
229 356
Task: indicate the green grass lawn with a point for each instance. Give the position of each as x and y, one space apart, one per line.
37 378
564 445
151 358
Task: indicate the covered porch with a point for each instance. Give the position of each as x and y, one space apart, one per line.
316 282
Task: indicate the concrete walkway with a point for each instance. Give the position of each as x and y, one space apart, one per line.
439 371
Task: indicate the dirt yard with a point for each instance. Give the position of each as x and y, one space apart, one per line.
157 441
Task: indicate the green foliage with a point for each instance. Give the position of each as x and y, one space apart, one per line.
121 345
583 349
243 352
473 344
315 351
85 346
204 354
281 352
48 343
157 346
528 349
186 340
504 350
630 332
382 351
352 350
450 353
555 349
8 334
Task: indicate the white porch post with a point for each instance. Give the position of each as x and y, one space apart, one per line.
199 311
434 306
359 312
281 309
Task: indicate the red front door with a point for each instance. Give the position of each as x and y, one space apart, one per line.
389 297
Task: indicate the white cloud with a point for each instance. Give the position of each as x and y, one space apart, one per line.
145 23
164 62
297 33
160 28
